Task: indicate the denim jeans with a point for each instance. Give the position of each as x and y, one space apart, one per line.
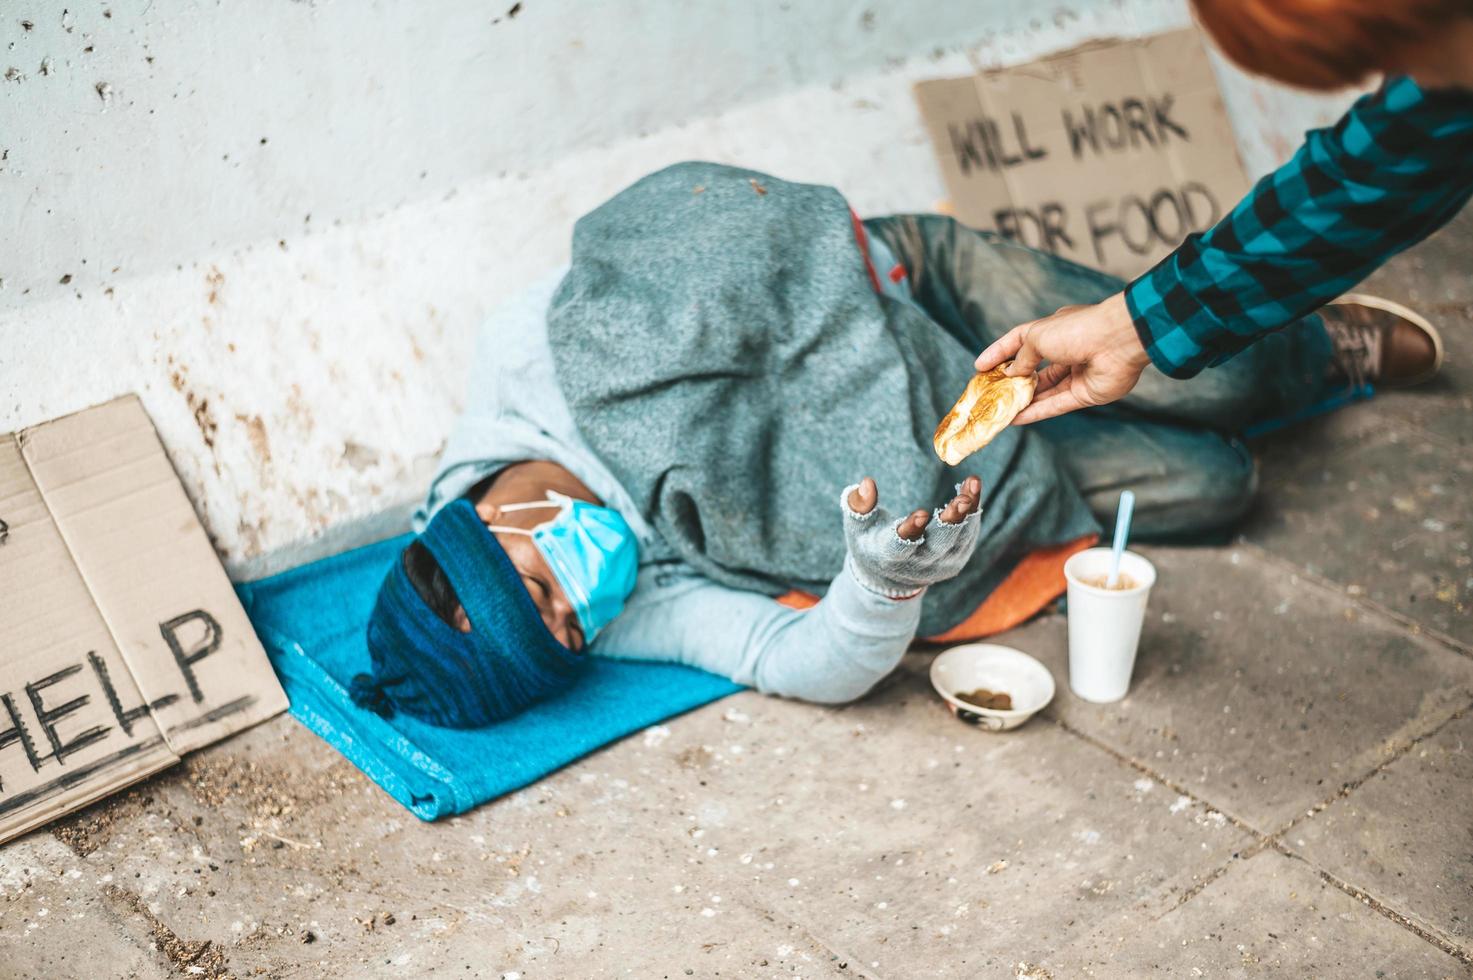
1176 444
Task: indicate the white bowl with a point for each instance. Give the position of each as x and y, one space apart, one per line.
996 668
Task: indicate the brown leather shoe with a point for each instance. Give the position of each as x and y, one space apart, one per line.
1378 341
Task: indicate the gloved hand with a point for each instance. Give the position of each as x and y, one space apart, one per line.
899 558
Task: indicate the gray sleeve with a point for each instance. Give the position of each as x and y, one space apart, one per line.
832 653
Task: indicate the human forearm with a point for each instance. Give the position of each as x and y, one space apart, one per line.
836 651
831 653
1392 171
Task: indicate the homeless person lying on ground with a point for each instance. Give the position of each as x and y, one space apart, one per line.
718 404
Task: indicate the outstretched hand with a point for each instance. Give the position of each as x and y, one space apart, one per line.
899 558
1094 357
866 494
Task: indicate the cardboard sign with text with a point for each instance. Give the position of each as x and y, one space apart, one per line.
122 642
1109 155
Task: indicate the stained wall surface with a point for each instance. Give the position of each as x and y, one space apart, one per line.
281 222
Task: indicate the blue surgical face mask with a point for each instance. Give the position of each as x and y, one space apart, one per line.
592 553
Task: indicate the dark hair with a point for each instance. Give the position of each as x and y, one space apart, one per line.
425 574
1323 44
431 582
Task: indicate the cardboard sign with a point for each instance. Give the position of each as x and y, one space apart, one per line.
1108 155
122 643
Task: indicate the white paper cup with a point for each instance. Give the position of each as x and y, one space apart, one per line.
1105 624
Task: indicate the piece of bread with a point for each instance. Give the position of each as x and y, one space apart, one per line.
990 402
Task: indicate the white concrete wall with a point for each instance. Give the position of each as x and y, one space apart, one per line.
281 222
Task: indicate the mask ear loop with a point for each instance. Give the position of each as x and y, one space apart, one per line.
525 505
530 505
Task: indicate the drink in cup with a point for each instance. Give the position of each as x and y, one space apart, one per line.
1105 622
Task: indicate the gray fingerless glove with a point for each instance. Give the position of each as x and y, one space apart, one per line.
884 562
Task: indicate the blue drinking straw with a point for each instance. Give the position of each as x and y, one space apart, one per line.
1122 532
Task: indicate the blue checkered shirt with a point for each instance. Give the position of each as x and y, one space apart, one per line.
1394 169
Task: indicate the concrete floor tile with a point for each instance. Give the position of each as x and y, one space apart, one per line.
1390 519
52 923
1256 691
752 837
1406 835
1267 916
937 850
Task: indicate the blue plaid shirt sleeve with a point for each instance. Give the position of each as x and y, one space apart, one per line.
1395 168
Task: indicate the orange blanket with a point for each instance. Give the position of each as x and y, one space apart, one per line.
1037 581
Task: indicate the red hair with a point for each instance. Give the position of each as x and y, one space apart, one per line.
1324 44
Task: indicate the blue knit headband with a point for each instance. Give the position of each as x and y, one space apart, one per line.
427 668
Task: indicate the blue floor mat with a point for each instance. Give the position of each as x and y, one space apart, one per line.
311 620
